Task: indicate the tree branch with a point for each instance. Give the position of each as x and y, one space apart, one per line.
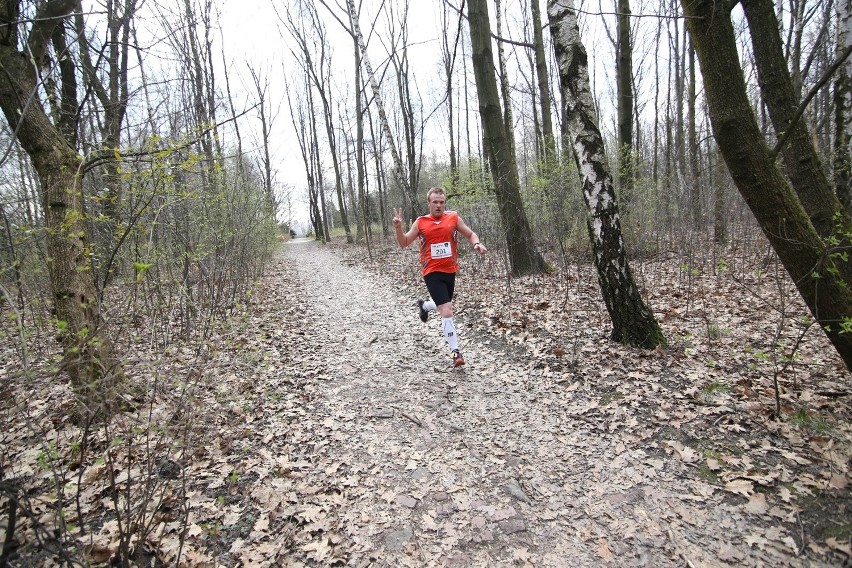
47 18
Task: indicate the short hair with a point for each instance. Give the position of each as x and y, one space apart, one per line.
435 190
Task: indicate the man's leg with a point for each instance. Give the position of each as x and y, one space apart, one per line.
449 325
441 287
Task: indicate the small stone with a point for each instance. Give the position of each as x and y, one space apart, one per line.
478 522
406 501
395 541
421 474
514 489
440 496
513 525
382 413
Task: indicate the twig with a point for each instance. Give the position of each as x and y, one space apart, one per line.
801 533
412 418
719 418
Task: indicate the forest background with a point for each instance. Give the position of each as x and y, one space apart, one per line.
154 155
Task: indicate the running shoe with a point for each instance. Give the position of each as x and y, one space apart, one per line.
458 360
424 315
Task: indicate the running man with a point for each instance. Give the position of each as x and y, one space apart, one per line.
438 233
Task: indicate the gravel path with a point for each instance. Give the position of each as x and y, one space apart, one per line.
413 463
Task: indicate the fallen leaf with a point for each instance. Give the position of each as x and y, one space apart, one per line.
757 504
838 481
501 514
729 553
742 487
320 549
604 551
844 547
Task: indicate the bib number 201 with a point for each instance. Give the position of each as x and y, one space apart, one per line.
442 250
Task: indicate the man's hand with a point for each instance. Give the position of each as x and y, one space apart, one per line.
480 248
397 217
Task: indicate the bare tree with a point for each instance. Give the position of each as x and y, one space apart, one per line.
448 59
320 75
261 87
408 192
543 86
411 125
523 256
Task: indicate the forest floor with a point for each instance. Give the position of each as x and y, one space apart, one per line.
334 431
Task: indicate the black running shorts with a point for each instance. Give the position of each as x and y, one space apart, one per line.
440 286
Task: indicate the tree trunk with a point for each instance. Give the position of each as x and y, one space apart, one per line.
523 256
720 206
89 357
694 190
505 90
359 149
632 321
802 164
780 214
624 82
448 57
543 87
843 110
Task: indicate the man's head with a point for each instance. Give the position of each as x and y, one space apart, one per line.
437 199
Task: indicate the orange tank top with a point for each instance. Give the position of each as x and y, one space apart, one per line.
439 251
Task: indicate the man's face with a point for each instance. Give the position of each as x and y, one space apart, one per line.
436 204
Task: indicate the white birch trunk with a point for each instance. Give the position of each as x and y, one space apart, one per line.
633 323
374 85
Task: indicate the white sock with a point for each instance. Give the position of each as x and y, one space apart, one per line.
450 332
429 305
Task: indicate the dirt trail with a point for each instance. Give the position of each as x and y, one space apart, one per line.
402 461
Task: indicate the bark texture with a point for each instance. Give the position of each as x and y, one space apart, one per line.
632 320
767 193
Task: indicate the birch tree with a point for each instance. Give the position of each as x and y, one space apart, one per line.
632 320
408 191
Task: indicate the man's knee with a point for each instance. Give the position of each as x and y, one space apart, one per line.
446 310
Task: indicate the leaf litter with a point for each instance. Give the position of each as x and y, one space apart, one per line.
330 430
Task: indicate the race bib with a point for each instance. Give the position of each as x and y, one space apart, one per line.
442 250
